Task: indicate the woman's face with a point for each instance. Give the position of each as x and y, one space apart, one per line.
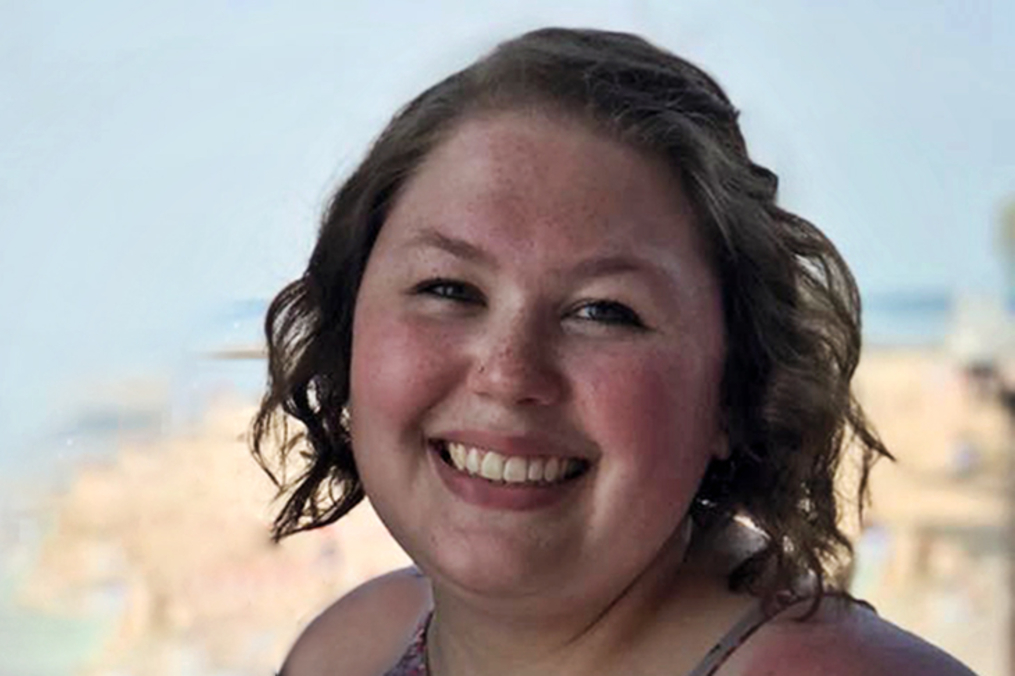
536 361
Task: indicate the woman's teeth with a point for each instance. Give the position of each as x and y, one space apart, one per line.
512 469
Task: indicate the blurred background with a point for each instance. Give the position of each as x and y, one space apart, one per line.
162 168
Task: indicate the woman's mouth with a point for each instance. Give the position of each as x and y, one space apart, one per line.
509 469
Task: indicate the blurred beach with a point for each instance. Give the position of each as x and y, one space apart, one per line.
150 553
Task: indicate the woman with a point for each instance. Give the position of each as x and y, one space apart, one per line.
592 378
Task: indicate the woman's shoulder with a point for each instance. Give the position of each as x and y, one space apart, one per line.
366 631
844 638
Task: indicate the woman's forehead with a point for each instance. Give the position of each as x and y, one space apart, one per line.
540 171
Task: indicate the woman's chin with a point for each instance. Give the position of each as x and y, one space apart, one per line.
495 578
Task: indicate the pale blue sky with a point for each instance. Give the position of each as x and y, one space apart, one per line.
161 160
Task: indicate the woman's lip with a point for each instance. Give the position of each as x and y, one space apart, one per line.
484 493
526 445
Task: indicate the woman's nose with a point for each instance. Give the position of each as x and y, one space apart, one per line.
516 364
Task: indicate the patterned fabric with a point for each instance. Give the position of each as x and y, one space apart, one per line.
413 662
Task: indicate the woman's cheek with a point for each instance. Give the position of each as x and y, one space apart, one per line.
657 413
397 367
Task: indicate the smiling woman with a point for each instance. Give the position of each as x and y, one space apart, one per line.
536 357
557 329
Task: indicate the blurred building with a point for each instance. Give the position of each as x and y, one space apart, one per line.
936 550
168 542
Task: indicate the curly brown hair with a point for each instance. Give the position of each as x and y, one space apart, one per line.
791 306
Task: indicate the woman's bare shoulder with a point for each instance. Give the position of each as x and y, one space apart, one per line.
843 639
364 632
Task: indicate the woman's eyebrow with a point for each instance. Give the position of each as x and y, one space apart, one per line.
453 245
603 266
591 268
661 278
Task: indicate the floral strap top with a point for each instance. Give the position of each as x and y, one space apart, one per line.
414 662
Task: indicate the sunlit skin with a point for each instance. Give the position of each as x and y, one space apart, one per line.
538 289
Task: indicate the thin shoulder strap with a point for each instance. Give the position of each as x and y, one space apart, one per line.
755 618
752 620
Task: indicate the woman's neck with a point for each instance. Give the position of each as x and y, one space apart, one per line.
626 630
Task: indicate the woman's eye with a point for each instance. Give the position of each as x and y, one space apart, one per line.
448 289
609 312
